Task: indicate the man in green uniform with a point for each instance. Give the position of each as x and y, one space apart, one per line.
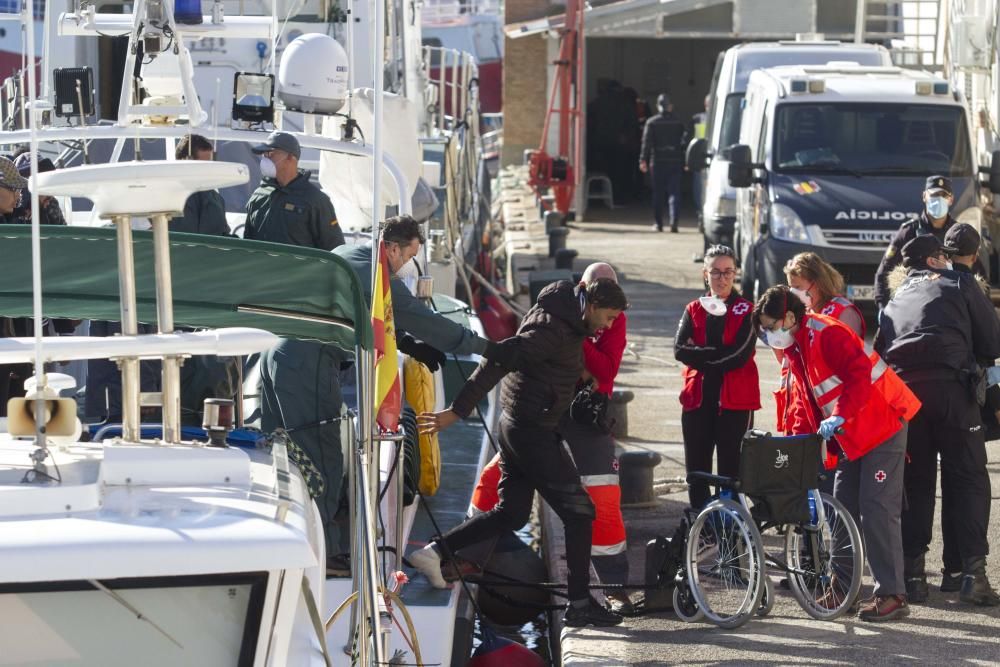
439 334
204 211
300 385
286 207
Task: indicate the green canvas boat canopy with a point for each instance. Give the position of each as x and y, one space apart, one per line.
290 291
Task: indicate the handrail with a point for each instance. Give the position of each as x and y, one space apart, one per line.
138 133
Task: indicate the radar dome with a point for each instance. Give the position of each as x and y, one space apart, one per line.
312 77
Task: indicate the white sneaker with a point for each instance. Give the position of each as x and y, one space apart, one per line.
427 561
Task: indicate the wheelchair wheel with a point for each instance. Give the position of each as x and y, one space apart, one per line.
766 598
684 605
725 563
826 563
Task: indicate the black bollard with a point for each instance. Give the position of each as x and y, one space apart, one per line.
635 474
565 257
554 220
557 239
618 412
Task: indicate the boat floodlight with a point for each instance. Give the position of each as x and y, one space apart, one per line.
253 97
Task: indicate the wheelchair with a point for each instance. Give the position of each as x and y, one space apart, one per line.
723 576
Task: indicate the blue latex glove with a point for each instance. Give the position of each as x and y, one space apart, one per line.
828 427
992 375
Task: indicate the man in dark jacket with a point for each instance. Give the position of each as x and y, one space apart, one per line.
540 367
934 220
935 327
286 207
662 153
204 211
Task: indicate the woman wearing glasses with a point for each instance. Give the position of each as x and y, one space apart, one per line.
715 342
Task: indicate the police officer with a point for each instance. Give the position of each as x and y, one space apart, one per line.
662 153
935 327
286 207
205 210
934 219
428 333
300 384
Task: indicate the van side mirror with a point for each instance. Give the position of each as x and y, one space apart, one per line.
697 155
740 166
994 182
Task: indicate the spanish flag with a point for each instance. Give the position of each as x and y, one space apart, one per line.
388 394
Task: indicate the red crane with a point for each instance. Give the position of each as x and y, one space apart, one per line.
558 173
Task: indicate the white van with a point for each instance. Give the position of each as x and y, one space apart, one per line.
729 83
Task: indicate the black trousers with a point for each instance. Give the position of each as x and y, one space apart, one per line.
533 458
948 425
707 431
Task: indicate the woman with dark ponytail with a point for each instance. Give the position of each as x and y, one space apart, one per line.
715 341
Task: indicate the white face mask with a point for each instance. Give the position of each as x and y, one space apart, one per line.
713 305
803 295
779 340
949 266
267 168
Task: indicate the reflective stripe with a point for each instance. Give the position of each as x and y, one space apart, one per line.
879 369
842 301
599 480
827 385
610 550
813 323
827 408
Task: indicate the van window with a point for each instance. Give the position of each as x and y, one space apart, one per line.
732 113
872 138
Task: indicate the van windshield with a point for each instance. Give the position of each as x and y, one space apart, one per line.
866 138
731 115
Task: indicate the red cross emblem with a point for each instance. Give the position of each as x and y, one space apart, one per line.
614 464
880 476
828 309
741 308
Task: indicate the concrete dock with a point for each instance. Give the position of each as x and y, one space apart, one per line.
660 278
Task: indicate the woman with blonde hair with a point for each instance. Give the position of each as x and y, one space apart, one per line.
821 287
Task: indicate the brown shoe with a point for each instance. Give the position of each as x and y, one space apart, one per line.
884 608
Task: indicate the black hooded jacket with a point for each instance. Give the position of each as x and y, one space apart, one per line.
937 325
540 365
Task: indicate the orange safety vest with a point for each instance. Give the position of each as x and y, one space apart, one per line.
890 401
837 305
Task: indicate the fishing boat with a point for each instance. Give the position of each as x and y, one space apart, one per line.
202 546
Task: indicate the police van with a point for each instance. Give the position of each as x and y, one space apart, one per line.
833 159
708 154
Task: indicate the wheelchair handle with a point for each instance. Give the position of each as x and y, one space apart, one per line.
717 480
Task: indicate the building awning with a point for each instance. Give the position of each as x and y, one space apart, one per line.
709 19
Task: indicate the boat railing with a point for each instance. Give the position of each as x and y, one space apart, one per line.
434 11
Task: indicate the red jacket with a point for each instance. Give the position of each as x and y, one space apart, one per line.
837 305
830 375
602 354
741 385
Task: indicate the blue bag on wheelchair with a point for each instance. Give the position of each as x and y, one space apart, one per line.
777 472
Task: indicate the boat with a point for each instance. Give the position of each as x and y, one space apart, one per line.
202 546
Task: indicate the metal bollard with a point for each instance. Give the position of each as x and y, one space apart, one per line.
565 257
557 240
618 412
554 220
635 475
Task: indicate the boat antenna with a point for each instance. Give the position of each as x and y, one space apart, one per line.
41 453
83 121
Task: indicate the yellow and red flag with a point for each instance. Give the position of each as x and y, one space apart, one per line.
388 393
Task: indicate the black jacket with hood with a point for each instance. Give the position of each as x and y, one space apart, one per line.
539 366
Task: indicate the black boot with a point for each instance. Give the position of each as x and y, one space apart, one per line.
976 587
915 579
591 613
951 582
